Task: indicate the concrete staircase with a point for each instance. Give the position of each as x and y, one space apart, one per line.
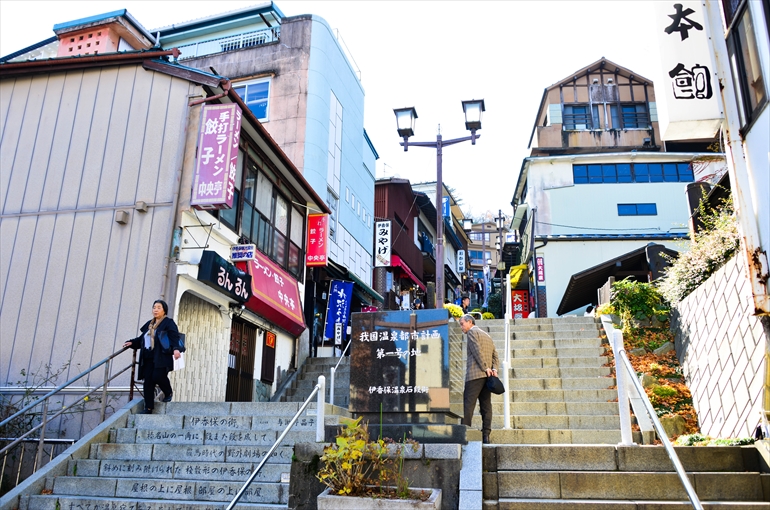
186 455
307 378
544 477
559 386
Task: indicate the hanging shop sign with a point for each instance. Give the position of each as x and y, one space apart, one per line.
218 273
217 163
241 252
382 244
519 304
317 240
445 206
540 269
461 261
274 294
338 306
690 88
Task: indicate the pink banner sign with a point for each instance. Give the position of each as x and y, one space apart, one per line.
317 237
540 269
217 164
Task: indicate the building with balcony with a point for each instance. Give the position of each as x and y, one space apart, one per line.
599 183
102 215
295 76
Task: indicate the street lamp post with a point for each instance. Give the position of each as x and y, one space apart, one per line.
405 118
499 245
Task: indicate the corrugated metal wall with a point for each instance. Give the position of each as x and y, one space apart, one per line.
74 147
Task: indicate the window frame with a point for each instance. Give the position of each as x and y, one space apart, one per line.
636 209
256 81
590 124
654 172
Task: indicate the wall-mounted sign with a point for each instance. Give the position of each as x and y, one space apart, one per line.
338 306
274 294
690 103
445 206
382 244
270 339
540 269
519 304
218 273
217 163
317 240
241 252
461 261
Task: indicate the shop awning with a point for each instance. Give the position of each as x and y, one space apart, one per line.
638 264
274 294
395 261
337 271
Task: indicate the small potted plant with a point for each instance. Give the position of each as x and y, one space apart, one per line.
363 474
455 311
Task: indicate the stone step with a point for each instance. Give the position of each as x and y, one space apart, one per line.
169 489
566 352
591 422
221 471
339 399
556 326
593 361
612 504
555 335
565 372
725 486
546 436
555 320
625 458
257 437
563 408
550 343
573 383
312 375
189 453
56 502
563 395
208 409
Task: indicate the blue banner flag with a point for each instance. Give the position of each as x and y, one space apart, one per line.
338 306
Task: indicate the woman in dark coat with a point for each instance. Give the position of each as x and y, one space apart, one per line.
154 363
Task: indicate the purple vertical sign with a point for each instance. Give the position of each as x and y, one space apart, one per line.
214 181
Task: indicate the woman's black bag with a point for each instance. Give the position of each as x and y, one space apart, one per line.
495 385
165 344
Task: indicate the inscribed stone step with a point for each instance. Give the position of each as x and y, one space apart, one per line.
229 471
168 436
198 453
255 493
135 469
212 423
240 437
156 489
282 454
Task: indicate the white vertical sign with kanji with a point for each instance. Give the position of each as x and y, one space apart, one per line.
382 244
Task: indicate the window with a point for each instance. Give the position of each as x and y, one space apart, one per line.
334 163
266 216
745 65
333 202
638 172
255 94
476 256
577 117
631 116
637 210
347 194
478 236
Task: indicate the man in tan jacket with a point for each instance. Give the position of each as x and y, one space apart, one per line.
482 362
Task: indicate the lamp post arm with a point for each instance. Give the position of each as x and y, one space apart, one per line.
458 140
432 145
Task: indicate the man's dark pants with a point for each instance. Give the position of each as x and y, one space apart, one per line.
477 390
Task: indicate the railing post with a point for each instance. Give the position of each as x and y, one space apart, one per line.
41 442
331 386
104 391
626 436
320 421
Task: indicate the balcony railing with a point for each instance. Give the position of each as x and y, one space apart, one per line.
230 43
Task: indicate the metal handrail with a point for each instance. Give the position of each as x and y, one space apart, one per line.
507 359
44 401
320 390
333 371
616 337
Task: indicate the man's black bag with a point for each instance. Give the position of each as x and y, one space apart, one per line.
495 385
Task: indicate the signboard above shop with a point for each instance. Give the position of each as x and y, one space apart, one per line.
241 252
218 273
382 244
217 158
317 240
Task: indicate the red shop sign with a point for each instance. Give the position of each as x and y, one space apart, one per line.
519 304
317 240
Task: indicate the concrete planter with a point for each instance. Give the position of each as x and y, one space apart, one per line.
328 501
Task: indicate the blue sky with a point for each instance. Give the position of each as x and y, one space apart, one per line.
430 55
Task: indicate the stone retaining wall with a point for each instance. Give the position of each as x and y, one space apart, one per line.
722 349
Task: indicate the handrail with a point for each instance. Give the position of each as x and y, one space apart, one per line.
507 359
333 371
319 434
620 354
44 401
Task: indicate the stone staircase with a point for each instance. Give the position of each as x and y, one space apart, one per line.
541 477
559 386
307 378
186 455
